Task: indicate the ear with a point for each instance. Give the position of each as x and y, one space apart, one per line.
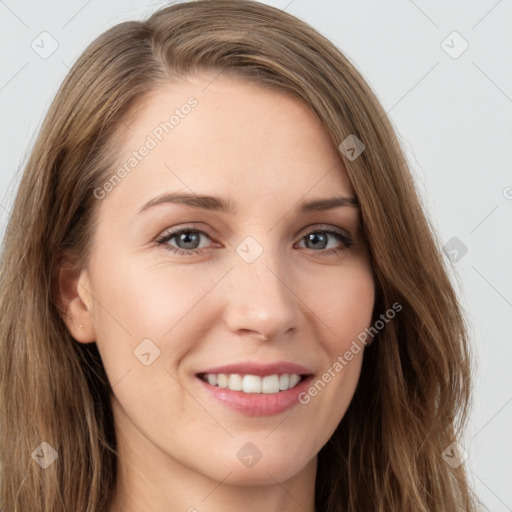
74 299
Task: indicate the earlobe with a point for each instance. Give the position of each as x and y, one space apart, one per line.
74 300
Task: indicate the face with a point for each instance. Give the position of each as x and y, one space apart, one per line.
186 298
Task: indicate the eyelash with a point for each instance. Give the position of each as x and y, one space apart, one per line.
162 241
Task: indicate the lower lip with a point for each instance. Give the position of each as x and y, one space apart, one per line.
257 404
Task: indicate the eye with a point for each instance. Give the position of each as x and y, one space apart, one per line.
319 239
188 241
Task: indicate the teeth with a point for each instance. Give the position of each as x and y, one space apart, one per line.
270 384
222 380
294 379
235 382
253 383
284 381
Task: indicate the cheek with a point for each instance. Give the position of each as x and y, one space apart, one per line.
147 313
135 299
141 328
345 311
345 305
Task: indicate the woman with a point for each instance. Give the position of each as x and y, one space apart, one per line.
219 288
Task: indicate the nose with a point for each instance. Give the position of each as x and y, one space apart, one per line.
260 298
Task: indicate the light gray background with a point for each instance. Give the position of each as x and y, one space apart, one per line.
453 116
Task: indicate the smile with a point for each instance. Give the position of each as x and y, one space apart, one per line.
268 384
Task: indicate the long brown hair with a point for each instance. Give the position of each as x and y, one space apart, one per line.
413 396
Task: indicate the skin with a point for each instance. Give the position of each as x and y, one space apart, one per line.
266 151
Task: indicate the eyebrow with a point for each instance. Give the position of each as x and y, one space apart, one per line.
218 204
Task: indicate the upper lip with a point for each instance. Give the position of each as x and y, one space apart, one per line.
261 369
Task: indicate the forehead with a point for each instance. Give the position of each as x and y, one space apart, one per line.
228 136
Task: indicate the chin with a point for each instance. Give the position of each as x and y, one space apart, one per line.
266 471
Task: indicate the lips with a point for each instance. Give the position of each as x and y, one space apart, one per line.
256 389
260 369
